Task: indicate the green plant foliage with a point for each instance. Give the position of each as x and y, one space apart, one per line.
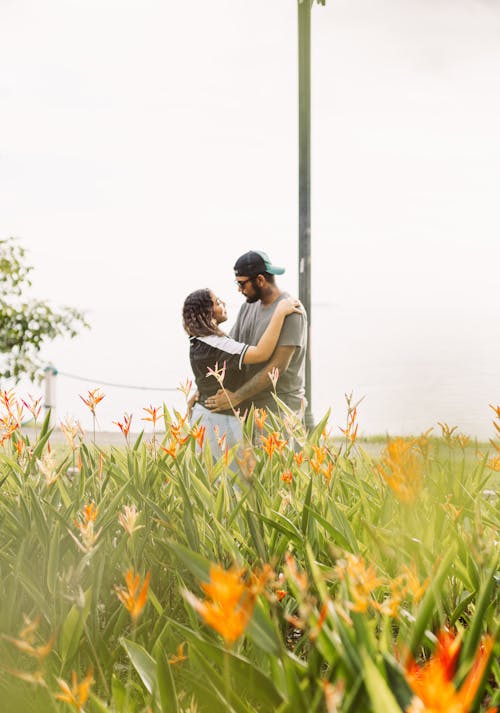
308 578
27 324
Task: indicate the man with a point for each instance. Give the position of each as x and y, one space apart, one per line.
255 278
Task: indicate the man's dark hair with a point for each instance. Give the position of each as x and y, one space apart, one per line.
198 314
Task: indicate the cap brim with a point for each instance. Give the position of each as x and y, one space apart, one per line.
273 270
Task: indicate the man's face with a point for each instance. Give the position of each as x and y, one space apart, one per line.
249 288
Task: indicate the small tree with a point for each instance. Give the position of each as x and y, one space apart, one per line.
25 325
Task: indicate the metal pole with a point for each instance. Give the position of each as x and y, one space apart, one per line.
304 26
50 391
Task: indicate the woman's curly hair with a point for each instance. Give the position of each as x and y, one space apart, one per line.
198 314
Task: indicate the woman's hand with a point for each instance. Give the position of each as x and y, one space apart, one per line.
289 305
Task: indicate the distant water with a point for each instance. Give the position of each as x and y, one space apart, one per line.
412 369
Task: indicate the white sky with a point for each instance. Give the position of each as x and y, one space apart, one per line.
145 145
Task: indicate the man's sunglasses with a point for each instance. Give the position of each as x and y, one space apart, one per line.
240 284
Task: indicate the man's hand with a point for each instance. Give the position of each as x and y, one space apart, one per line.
223 400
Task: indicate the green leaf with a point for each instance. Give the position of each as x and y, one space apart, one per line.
73 627
380 694
143 663
165 682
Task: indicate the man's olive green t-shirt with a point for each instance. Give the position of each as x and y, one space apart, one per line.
249 327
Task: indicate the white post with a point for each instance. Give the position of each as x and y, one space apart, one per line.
50 391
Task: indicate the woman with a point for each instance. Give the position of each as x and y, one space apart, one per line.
211 349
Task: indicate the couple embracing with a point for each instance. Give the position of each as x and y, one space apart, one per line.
270 334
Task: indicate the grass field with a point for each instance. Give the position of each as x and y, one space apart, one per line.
300 572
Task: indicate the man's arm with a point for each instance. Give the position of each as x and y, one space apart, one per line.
224 399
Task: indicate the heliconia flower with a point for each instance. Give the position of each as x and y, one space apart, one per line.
401 468
494 464
154 414
85 524
320 453
260 416
27 637
287 476
496 410
299 578
171 450
33 406
280 594
274 375
47 467
132 599
8 425
462 440
179 655
198 434
125 425
76 695
447 431
185 388
334 694
71 429
8 399
231 602
272 443
432 682
361 581
217 373
221 440
351 431
94 397
327 472
128 518
299 458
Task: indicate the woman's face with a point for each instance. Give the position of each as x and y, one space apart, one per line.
219 310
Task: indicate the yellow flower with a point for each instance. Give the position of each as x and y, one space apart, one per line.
78 694
132 599
401 468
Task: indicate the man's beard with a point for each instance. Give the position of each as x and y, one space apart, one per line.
256 296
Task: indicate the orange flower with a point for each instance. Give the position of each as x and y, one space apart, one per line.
351 431
299 458
273 443
154 414
34 406
172 449
401 468
85 524
287 476
361 579
94 397
231 602
198 434
260 416
125 426
78 694
132 599
327 472
27 637
179 655
432 682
